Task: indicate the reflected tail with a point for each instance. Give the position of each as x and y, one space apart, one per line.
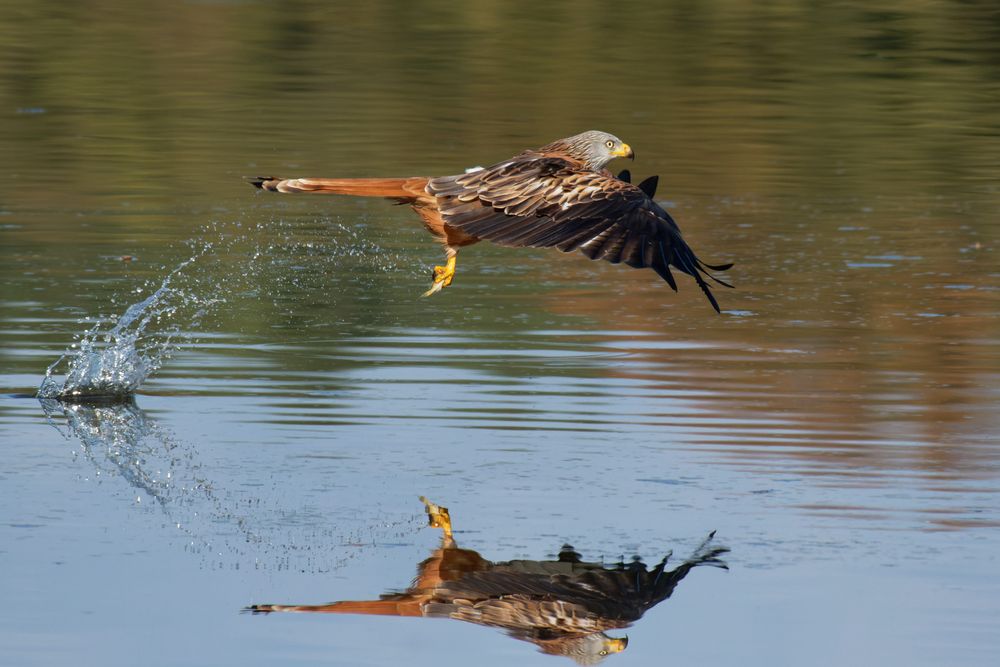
365 607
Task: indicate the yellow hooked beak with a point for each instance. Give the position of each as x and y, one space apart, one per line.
624 151
615 644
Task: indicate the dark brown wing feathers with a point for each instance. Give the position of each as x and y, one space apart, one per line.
547 201
584 599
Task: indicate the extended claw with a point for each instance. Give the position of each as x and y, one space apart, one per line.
436 287
437 516
443 275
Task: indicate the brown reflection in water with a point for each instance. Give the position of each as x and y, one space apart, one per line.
871 383
563 606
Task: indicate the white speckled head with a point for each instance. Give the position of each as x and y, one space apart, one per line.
593 147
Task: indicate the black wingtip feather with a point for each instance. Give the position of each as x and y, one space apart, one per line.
717 267
703 267
720 281
258 181
663 268
664 272
708 293
686 261
649 186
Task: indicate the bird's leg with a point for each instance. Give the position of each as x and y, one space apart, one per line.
443 275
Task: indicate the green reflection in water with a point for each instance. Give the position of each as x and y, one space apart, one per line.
844 156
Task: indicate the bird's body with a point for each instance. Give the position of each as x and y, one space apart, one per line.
557 196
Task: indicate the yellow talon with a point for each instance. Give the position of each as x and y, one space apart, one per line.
437 516
443 275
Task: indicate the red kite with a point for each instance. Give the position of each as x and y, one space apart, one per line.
557 196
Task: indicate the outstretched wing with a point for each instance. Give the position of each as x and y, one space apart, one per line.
544 201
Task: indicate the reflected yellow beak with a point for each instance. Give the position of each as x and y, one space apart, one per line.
624 151
616 644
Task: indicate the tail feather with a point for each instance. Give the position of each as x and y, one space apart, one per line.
395 188
403 607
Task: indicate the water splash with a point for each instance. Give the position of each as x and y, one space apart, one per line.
114 357
113 364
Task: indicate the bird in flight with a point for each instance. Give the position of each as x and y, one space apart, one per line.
563 606
558 196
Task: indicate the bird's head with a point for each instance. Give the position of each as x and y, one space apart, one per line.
586 650
594 148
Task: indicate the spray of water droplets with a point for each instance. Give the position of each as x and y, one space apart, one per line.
114 357
114 362
222 524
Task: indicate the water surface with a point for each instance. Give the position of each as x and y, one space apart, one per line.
837 425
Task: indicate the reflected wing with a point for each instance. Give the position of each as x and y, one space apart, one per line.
520 596
518 601
544 201
583 602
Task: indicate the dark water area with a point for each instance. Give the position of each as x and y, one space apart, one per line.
837 424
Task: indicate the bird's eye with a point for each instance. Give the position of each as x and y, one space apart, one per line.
604 652
609 143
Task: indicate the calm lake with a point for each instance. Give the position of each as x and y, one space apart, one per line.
837 425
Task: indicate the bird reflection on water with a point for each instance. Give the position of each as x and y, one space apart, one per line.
563 606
